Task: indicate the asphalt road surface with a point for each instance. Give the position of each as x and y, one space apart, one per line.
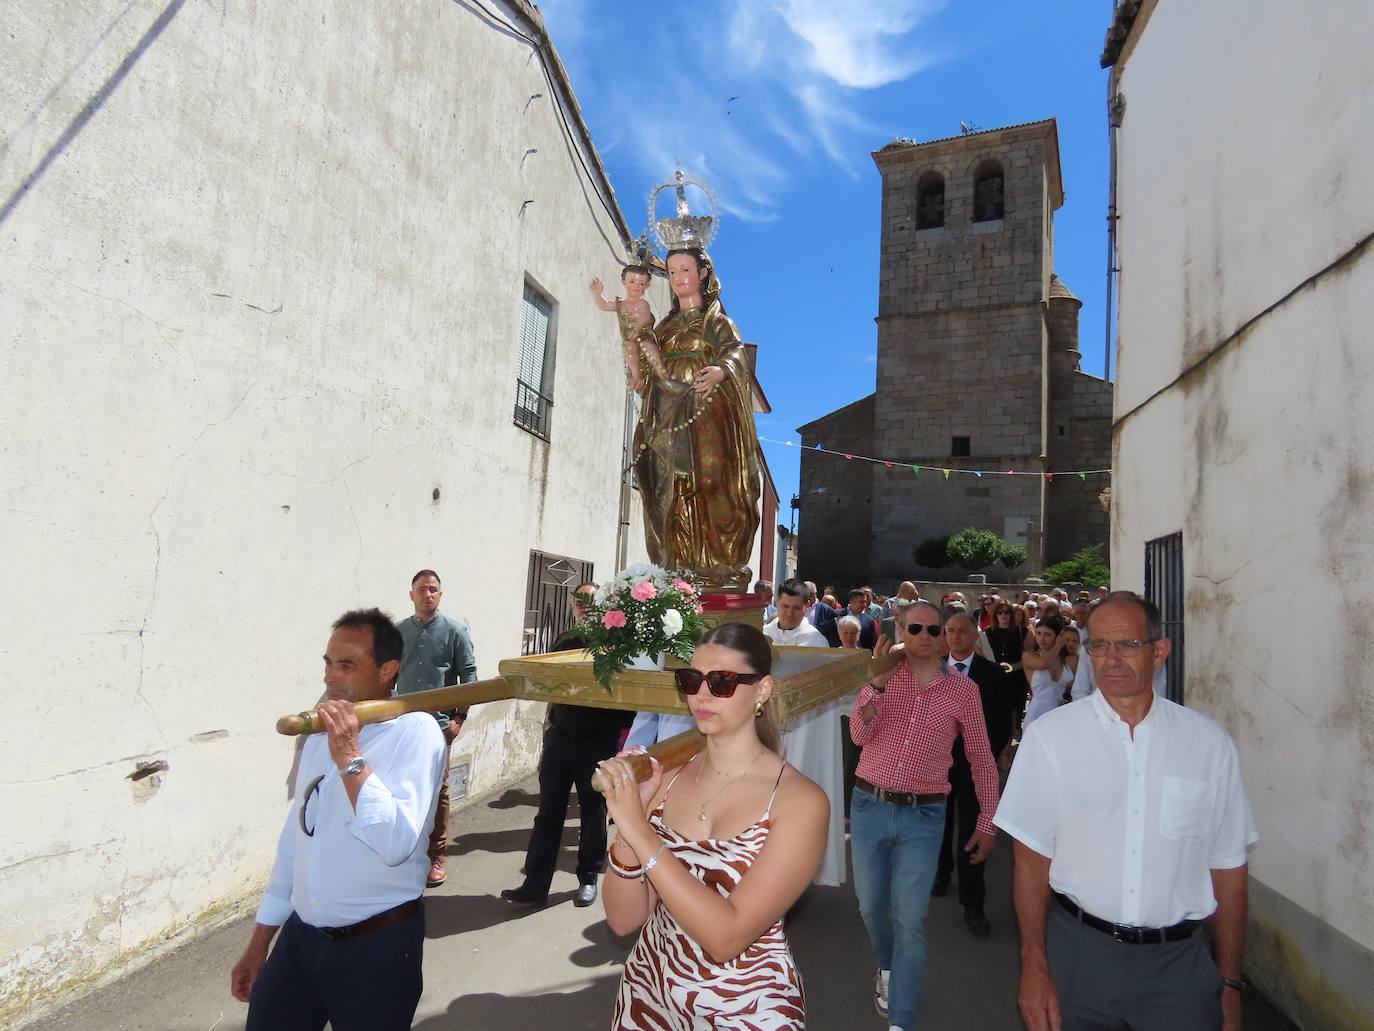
491 966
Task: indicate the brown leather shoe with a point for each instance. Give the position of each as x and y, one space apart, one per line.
438 874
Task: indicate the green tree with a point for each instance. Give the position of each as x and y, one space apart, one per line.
932 553
1012 555
975 549
1088 566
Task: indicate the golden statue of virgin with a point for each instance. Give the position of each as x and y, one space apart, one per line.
696 451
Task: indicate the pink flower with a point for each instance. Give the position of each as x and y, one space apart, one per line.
684 587
644 592
613 618
700 609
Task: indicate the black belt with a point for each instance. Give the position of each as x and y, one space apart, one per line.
897 797
1124 932
385 918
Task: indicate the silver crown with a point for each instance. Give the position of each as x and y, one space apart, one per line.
685 230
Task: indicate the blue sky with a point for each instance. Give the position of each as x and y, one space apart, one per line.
821 84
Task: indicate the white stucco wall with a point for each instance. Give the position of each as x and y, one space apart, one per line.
262 271
1245 164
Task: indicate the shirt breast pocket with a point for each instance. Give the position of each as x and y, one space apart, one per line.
1185 808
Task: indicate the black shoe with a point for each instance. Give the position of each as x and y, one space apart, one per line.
977 922
525 895
586 895
940 888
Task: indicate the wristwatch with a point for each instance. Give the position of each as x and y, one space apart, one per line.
1231 982
355 765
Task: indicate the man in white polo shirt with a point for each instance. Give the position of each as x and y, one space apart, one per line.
1131 828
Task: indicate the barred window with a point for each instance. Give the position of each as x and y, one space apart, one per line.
534 380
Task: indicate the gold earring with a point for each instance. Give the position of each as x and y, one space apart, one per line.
758 710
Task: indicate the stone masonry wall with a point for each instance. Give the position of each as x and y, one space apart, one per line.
835 520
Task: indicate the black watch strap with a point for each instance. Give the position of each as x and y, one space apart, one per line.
877 689
1231 982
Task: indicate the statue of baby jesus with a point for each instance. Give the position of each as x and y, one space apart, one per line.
636 324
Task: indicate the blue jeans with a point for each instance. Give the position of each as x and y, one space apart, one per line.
896 849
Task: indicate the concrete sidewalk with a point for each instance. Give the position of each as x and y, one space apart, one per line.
490 966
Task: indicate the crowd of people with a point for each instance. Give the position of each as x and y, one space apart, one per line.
1127 813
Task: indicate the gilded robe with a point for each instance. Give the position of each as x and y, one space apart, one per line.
700 482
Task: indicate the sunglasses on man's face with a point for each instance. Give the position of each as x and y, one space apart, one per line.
914 629
720 682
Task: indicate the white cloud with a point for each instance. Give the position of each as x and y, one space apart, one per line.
661 88
859 44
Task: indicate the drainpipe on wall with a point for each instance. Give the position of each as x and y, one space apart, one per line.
1116 109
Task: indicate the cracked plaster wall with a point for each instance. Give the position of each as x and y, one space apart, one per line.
263 269
1260 454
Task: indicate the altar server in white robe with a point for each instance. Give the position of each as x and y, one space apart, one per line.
811 742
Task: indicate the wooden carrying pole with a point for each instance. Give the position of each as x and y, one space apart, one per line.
459 696
671 753
675 751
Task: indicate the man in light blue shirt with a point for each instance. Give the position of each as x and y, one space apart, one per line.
438 653
350 868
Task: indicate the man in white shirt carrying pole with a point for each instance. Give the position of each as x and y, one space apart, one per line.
351 863
1131 827
811 742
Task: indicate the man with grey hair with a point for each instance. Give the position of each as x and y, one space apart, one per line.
963 810
1130 816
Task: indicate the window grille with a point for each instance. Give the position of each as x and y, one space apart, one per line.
1164 587
548 599
534 379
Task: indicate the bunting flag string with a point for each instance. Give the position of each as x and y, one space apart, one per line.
848 456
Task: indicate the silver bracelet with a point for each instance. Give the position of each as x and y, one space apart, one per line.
655 858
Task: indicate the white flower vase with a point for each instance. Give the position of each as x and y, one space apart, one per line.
647 662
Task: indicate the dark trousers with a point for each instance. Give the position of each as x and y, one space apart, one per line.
849 755
1105 985
961 820
566 763
371 982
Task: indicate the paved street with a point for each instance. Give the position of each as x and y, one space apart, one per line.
490 966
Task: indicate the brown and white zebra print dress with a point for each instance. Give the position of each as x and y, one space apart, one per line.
670 984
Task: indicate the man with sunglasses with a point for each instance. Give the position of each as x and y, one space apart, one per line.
345 890
1131 829
906 721
577 738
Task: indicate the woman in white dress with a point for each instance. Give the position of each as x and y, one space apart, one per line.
1050 671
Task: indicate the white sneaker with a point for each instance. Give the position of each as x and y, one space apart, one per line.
880 993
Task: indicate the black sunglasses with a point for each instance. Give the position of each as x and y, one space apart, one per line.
721 682
914 629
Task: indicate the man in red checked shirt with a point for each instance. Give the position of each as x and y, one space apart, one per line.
906 721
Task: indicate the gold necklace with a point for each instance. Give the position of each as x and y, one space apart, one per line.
701 805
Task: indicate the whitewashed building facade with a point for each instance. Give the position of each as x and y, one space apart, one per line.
1243 486
295 304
